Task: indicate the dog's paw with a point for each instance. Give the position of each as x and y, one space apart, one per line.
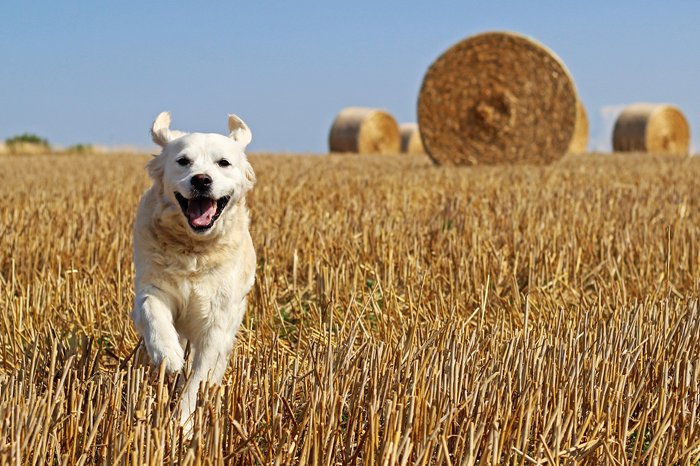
172 356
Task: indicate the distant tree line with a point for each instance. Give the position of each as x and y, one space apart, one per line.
27 138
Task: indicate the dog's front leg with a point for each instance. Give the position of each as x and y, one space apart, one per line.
153 317
212 349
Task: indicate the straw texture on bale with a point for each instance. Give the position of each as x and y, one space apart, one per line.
655 128
497 97
411 142
364 131
579 140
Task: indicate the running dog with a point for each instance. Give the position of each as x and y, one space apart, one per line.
193 255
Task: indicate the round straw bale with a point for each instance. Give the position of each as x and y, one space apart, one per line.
497 97
579 140
655 128
365 131
410 139
27 148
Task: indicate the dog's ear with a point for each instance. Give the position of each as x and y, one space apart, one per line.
155 169
239 131
161 132
249 174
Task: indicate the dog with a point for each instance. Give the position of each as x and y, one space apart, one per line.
194 258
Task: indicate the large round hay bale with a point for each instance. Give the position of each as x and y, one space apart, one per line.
411 142
365 131
655 128
579 140
497 98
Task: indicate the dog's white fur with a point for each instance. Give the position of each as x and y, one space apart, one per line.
192 285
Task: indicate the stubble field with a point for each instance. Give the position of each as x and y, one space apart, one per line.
402 314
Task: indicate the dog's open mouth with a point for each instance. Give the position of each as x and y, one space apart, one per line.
201 212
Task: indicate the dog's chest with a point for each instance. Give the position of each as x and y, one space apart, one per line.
193 265
203 299
190 274
203 281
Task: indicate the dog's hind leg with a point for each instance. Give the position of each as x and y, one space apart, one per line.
211 356
153 318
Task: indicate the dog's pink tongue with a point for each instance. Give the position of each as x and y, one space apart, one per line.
201 210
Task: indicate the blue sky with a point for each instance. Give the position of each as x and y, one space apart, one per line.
99 72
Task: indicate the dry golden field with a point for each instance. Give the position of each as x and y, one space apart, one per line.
402 314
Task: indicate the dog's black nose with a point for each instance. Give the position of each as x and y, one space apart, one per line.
201 181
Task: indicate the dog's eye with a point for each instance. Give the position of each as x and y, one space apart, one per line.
183 161
223 163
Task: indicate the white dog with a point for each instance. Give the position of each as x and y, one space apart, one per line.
193 255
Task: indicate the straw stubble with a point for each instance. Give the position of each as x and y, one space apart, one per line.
401 314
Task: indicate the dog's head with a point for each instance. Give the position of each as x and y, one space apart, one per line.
201 174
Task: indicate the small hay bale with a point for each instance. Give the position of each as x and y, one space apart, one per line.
410 139
655 128
364 131
26 148
579 140
497 98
